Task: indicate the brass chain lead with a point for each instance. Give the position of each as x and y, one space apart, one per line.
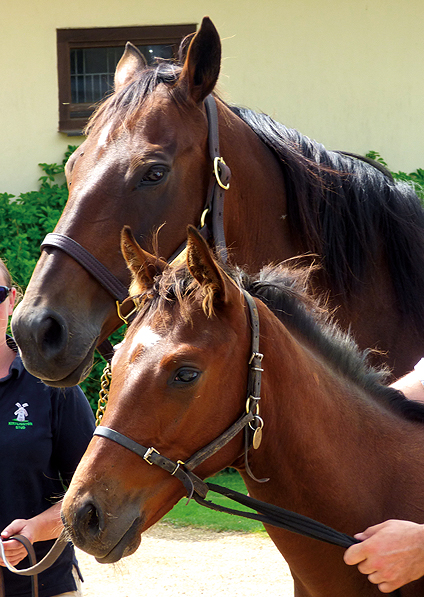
104 393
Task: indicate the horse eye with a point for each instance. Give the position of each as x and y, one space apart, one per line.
153 176
186 375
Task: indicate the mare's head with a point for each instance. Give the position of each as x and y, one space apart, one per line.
179 380
145 163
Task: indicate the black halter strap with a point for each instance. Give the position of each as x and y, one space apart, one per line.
212 220
100 272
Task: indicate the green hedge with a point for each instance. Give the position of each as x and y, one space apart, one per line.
25 220
416 179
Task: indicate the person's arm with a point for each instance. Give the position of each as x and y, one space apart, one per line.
391 554
44 526
411 386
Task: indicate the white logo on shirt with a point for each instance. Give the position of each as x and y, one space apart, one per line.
21 413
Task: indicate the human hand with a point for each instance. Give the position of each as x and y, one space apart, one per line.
14 550
391 554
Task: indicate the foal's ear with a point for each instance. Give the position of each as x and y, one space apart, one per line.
203 62
142 265
205 269
131 63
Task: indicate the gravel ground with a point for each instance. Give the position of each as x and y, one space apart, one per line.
191 562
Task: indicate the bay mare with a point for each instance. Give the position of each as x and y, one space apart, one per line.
146 163
337 445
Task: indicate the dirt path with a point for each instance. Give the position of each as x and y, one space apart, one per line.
191 562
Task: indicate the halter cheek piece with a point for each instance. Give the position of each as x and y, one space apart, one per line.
250 421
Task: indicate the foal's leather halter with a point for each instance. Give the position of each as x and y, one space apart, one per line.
249 420
211 225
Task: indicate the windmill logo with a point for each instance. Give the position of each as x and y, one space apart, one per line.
21 415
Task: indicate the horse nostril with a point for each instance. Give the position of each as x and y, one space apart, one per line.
88 521
51 335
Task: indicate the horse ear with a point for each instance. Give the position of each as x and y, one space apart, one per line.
143 266
205 269
131 63
202 65
183 49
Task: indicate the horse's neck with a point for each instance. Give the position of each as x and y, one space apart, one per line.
324 439
256 200
331 453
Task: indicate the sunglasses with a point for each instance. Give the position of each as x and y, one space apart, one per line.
4 293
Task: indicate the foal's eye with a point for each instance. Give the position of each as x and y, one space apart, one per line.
186 375
154 175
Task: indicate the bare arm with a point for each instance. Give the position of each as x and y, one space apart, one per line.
44 526
411 386
391 554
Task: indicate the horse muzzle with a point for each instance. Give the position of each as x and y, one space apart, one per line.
99 532
46 343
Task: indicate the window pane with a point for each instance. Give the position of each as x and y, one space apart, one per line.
92 69
156 51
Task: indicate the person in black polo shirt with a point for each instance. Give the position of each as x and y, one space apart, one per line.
44 432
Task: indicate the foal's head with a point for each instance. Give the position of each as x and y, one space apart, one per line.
191 320
179 378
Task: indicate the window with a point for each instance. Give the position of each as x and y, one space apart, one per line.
87 59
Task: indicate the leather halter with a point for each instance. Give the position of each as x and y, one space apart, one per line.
213 209
248 420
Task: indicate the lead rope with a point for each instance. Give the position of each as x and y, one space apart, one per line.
32 560
281 518
34 569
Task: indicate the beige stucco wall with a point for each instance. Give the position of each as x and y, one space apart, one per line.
345 72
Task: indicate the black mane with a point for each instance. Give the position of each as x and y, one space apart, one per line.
343 209
346 209
281 292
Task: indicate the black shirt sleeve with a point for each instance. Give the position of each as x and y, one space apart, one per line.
74 425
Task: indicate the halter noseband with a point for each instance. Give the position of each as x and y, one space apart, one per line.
249 420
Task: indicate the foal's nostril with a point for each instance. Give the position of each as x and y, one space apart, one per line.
88 521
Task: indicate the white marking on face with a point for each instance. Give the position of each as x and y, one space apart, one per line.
104 135
144 338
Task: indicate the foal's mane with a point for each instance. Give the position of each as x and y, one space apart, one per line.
284 290
342 208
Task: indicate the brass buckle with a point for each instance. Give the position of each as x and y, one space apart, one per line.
177 466
248 405
203 217
217 161
125 317
148 453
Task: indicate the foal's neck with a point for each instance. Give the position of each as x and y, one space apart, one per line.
320 427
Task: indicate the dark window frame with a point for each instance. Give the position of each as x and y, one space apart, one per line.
68 39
